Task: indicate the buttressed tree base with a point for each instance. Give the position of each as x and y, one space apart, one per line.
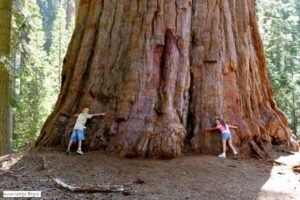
162 70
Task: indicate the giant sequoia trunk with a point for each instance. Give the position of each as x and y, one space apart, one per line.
5 110
162 70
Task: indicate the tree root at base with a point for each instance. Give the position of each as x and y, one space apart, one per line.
257 149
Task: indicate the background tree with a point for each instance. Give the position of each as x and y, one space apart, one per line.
31 76
62 31
279 25
48 11
5 50
70 11
163 70
37 55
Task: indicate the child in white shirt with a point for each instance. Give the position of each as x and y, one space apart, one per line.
78 131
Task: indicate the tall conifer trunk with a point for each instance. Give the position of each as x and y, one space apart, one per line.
5 110
162 70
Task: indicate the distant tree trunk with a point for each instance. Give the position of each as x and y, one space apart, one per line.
5 110
294 111
162 70
76 7
48 11
14 94
70 11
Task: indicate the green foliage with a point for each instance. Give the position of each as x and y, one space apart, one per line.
6 62
279 26
56 54
48 11
29 74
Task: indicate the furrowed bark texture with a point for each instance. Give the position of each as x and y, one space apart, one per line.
162 70
5 110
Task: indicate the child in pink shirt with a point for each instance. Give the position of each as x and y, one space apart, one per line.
226 135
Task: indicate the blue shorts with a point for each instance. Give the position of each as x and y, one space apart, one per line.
226 136
77 135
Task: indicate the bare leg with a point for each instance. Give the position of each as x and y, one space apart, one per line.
70 143
232 147
79 147
79 144
224 146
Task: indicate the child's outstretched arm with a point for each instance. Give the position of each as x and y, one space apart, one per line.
211 129
231 126
98 114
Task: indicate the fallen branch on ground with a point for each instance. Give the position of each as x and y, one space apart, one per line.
9 157
5 158
276 163
82 188
296 168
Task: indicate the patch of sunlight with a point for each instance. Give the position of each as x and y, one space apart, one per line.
6 162
283 183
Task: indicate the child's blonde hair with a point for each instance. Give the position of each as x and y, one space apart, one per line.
84 107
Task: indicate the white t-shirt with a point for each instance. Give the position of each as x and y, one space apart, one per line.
81 120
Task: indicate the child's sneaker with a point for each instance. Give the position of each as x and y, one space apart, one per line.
222 155
68 152
235 155
80 152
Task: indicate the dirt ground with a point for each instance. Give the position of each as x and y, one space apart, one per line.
191 177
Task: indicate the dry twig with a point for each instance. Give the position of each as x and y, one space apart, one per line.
82 188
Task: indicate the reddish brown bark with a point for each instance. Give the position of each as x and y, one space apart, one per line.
162 70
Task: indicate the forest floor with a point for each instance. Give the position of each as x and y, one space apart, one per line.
191 177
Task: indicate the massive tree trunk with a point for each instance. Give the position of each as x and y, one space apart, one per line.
162 70
5 110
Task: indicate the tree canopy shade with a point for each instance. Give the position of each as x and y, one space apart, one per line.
162 71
